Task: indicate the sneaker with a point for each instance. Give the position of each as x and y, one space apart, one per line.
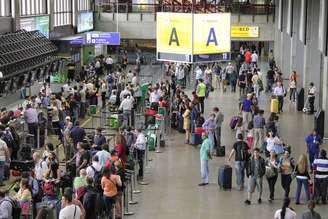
247 202
202 184
259 201
297 203
270 200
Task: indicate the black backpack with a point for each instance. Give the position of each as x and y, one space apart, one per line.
97 178
16 209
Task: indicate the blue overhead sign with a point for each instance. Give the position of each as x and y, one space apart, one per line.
77 41
108 38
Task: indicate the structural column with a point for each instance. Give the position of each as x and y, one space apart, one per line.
15 8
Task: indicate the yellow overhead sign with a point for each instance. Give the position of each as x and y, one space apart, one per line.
174 33
187 34
211 33
244 31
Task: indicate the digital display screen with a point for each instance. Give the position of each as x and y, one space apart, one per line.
85 22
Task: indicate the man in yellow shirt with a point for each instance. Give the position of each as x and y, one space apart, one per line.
201 92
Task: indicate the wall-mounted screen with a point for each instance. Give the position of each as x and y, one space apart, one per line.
85 22
40 23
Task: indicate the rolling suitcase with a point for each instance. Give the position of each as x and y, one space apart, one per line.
195 139
225 177
274 105
233 122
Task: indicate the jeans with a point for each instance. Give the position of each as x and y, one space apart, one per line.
218 136
33 130
299 184
256 90
201 101
140 156
240 173
2 170
109 203
272 182
255 182
320 189
286 180
83 110
281 103
233 84
258 137
204 170
292 94
126 118
110 88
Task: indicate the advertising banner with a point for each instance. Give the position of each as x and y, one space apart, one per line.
244 31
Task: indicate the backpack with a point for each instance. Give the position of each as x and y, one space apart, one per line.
16 209
97 178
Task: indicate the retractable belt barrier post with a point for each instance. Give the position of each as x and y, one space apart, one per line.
126 201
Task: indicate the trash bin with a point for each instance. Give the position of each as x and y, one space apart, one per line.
92 109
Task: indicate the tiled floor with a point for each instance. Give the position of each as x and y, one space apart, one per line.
174 175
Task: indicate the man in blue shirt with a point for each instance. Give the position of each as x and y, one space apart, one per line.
205 155
77 133
210 127
313 142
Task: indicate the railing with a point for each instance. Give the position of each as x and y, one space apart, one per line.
187 6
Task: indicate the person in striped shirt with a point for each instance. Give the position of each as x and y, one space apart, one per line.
320 165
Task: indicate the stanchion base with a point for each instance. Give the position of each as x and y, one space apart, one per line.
128 213
136 191
143 183
133 202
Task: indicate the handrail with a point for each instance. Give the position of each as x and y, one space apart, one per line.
186 6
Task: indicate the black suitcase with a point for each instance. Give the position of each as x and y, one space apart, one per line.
220 151
180 124
300 100
225 177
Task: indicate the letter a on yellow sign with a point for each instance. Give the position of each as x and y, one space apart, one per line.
174 33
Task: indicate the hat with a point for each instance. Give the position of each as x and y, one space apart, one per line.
67 118
249 95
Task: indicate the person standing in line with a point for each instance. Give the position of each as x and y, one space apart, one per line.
313 142
140 145
320 167
31 118
219 117
311 214
69 209
311 97
285 212
240 151
259 124
302 178
256 173
4 157
186 123
201 93
210 127
286 167
271 173
205 156
279 91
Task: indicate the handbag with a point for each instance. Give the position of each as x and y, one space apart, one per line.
269 172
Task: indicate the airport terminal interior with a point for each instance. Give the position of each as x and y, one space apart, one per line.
153 109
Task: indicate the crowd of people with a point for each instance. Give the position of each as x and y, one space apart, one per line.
95 174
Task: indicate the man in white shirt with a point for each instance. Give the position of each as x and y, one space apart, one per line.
154 96
69 211
125 92
109 63
40 168
311 95
126 106
279 91
134 80
103 155
95 166
140 145
254 58
4 156
129 76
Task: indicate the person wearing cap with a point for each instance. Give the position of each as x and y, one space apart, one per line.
311 214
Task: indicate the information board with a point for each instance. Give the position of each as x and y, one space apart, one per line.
244 31
106 38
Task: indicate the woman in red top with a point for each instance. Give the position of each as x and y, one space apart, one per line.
121 148
248 57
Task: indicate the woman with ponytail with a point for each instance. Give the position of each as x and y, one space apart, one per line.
285 212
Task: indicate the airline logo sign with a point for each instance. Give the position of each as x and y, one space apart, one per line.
211 33
244 31
174 33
